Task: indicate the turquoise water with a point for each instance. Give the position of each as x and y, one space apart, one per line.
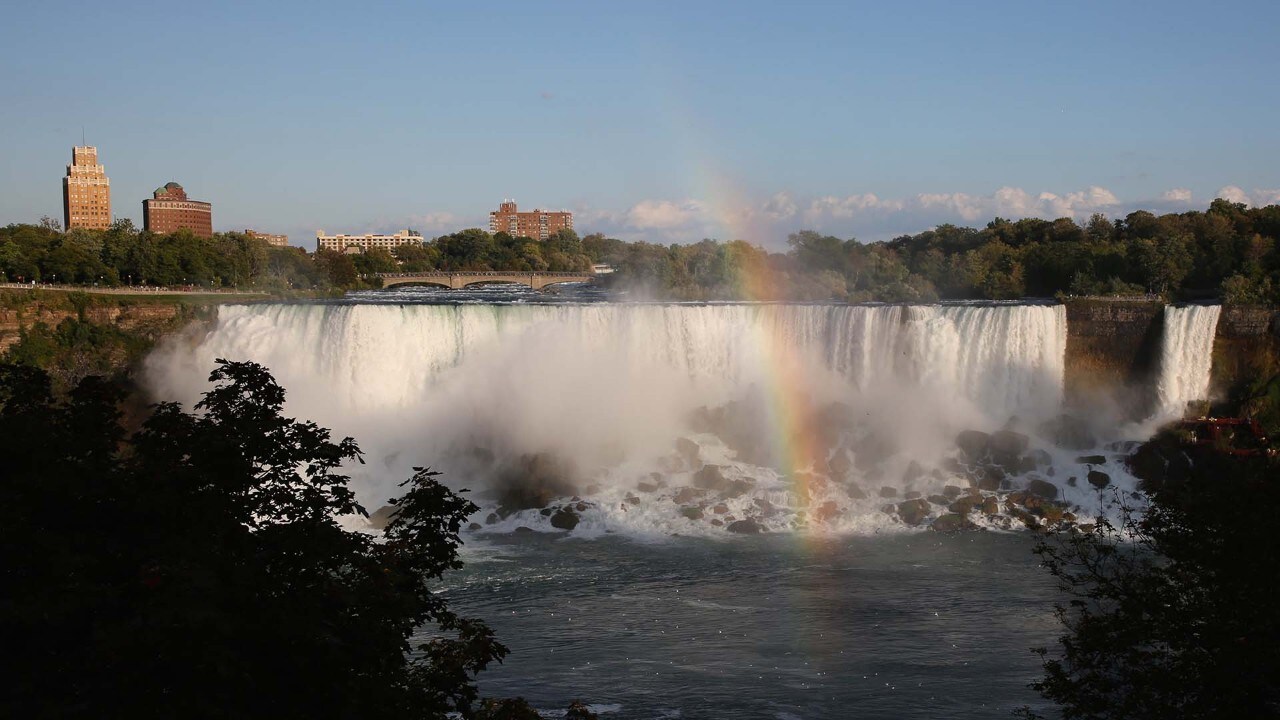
900 626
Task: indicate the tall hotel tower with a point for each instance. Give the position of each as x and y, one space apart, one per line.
86 191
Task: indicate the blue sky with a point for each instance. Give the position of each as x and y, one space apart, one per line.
659 120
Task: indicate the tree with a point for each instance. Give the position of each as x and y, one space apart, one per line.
1171 614
196 567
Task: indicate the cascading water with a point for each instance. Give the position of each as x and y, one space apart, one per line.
1186 358
872 396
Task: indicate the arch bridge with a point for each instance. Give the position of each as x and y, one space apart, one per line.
461 279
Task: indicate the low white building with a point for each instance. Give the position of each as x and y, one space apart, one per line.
356 244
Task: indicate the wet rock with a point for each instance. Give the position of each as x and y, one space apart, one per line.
913 512
1026 464
522 529
1092 459
564 519
491 518
693 513
745 527
854 491
950 523
1040 457
939 499
871 450
840 464
888 492
688 451
1008 444
1099 479
474 526
827 511
737 488
912 473
951 491
647 487
974 444
593 489
686 495
717 522
964 504
533 481
953 466
990 506
720 509
581 507
989 478
889 509
913 494
767 509
1069 432
1042 488
383 515
1071 481
710 478
578 711
631 499
1086 527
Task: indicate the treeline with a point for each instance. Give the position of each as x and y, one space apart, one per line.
122 255
1228 251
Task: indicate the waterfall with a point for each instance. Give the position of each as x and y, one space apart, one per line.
1186 357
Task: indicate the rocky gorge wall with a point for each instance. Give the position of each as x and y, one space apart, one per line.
1114 345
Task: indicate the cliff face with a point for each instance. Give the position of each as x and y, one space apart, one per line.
149 319
1113 349
1246 352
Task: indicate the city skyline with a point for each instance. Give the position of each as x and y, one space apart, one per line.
654 123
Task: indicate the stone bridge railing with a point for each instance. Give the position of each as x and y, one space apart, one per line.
461 279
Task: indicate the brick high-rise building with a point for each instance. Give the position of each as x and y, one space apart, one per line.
169 210
538 224
270 238
86 191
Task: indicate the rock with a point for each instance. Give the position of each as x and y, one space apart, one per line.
720 509
710 478
578 711
974 444
950 523
533 481
913 494
522 529
581 507
717 522
913 512
1042 488
1092 459
1068 432
767 508
686 495
594 488
647 487
693 513
854 491
474 526
631 499
912 473
1040 457
382 517
491 518
1009 444
564 519
546 512
1099 479
826 511
951 491
744 527
990 506
1071 481
1051 513
840 464
737 488
688 451
963 505
939 499
1026 464
989 478
888 492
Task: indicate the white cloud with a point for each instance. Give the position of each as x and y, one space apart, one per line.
664 214
1258 198
1176 195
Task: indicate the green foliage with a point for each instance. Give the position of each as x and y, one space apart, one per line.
196 567
1171 613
